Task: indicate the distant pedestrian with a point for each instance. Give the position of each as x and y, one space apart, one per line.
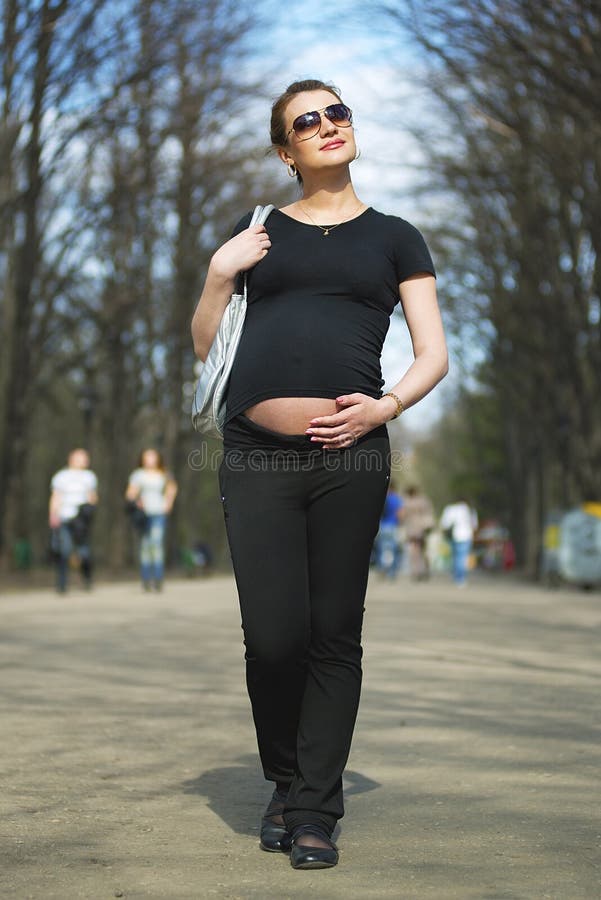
73 498
459 521
388 540
153 490
418 519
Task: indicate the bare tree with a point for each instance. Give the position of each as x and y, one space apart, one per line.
124 160
518 86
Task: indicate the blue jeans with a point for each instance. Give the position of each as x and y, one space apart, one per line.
388 551
460 553
152 553
64 545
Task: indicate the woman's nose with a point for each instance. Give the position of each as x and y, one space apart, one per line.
327 127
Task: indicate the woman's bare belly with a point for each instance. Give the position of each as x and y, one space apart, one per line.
290 415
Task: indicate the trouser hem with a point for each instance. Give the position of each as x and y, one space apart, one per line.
293 820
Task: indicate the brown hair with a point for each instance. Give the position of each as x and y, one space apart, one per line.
279 138
160 460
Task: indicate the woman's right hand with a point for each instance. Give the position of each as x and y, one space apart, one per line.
241 252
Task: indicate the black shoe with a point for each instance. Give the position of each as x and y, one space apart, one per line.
306 857
274 837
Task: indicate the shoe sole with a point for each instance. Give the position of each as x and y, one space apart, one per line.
315 865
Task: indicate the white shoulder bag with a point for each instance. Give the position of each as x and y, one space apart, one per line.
208 411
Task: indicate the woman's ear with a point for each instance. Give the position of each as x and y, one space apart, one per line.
285 156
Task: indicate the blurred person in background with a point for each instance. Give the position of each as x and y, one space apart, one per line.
418 519
459 521
389 538
324 275
154 491
73 498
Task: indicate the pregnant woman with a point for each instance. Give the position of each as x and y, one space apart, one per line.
306 452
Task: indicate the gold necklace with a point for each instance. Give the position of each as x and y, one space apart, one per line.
326 229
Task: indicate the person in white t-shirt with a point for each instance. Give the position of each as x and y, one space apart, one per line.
74 495
461 521
154 490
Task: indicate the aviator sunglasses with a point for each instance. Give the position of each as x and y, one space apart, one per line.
309 124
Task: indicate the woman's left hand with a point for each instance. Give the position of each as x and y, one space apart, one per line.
357 414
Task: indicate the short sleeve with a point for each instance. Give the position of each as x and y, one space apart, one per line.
136 478
411 252
93 480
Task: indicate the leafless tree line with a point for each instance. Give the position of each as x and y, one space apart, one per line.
124 159
517 167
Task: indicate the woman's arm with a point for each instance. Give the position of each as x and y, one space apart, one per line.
170 494
420 305
238 254
132 492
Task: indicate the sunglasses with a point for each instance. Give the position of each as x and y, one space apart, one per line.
309 124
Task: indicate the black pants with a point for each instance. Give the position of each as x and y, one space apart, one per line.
301 522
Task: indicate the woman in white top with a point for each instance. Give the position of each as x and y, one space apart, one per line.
154 490
461 521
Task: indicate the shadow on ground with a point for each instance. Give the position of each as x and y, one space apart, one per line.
238 793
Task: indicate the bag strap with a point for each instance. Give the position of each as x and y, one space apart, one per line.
259 217
260 214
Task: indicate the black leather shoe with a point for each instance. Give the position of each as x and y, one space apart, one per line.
306 857
274 837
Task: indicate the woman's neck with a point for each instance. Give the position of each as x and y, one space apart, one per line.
332 196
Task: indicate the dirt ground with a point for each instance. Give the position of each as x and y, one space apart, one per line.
129 767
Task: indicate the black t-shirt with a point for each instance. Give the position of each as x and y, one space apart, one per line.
319 307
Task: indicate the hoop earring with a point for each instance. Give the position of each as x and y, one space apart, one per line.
291 170
358 153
